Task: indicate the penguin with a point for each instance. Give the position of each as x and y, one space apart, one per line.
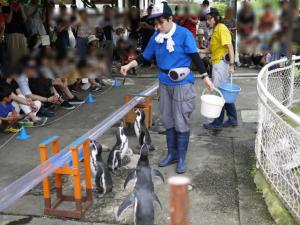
143 196
119 151
141 132
143 162
99 170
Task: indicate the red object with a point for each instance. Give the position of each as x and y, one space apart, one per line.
187 23
266 22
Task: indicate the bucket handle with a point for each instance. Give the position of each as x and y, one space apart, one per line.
215 89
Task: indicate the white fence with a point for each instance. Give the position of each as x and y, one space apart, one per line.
277 144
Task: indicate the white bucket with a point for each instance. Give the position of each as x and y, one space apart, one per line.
211 105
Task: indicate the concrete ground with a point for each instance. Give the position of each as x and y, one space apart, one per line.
219 165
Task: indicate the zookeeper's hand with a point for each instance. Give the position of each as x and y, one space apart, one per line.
208 83
124 69
231 70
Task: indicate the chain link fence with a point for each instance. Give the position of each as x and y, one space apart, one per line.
277 144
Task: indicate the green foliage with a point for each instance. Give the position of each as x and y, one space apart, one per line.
221 7
277 210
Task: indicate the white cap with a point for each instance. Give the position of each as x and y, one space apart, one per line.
92 38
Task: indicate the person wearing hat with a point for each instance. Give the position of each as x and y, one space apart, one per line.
222 60
93 41
174 49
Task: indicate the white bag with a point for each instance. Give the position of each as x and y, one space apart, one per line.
72 39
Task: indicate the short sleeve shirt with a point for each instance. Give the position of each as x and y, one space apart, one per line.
220 37
6 109
185 44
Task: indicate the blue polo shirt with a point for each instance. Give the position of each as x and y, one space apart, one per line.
4 110
184 44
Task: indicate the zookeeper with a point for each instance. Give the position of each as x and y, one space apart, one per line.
174 49
222 59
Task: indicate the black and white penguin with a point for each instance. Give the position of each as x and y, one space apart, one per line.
119 151
141 132
99 170
143 196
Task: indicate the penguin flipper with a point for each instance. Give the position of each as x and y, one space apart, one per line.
130 177
127 203
157 173
156 200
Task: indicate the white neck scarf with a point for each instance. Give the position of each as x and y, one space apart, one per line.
162 36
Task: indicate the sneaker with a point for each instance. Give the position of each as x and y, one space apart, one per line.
46 112
97 89
67 105
41 121
25 123
11 130
75 101
74 89
212 126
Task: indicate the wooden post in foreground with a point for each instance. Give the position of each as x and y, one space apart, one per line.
179 200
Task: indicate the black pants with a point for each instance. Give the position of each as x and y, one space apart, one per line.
41 86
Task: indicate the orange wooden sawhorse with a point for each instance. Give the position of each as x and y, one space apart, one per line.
72 167
129 118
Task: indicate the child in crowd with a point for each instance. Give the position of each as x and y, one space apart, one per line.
129 56
8 115
21 103
86 80
245 56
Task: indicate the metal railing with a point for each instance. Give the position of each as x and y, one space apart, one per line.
277 144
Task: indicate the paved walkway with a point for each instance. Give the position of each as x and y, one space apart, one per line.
219 166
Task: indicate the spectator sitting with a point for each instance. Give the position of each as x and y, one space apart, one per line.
48 70
8 115
261 55
38 88
245 55
87 80
21 103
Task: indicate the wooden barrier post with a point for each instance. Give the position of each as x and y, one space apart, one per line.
57 177
179 200
46 182
72 167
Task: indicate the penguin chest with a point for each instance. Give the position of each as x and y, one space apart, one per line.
115 159
124 149
137 129
93 164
